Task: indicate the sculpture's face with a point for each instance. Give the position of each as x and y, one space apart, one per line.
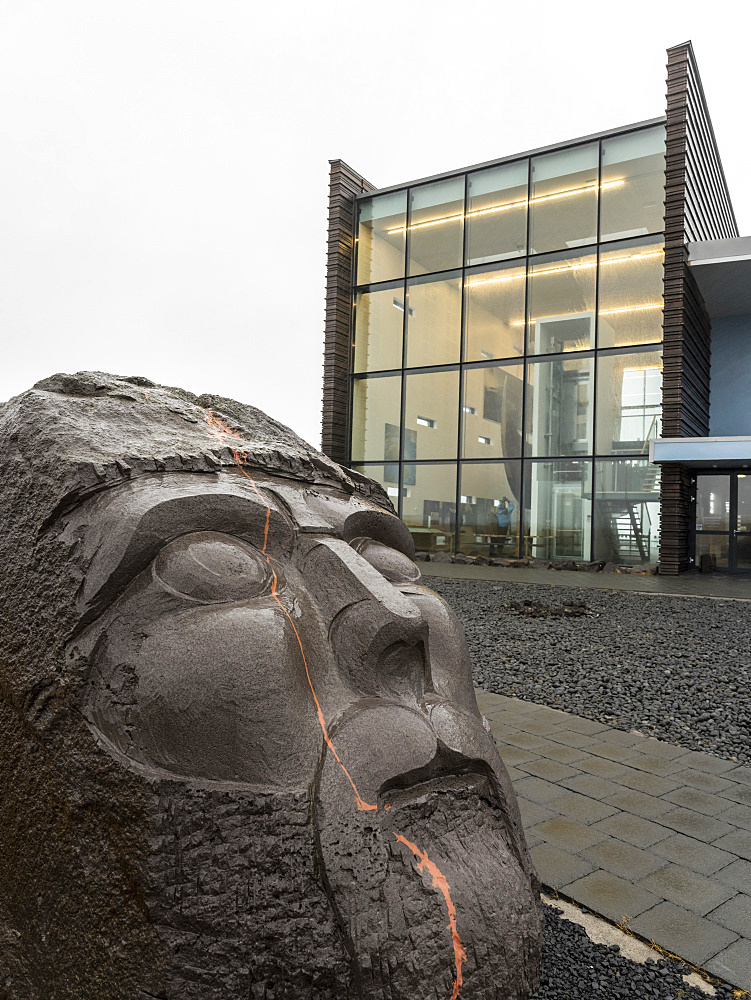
266 635
237 610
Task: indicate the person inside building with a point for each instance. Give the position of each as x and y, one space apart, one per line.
503 514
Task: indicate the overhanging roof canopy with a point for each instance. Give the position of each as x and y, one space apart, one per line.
703 453
722 269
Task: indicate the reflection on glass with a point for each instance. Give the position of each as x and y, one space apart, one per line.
497 213
744 503
436 228
492 412
563 202
627 511
630 298
386 475
629 402
559 407
715 548
434 318
376 406
633 184
557 509
713 503
431 415
379 317
429 506
562 303
494 313
489 509
743 524
381 237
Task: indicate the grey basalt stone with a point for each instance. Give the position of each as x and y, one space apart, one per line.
240 753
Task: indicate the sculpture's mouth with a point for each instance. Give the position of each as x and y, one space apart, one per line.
447 772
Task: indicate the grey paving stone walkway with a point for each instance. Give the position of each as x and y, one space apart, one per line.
650 835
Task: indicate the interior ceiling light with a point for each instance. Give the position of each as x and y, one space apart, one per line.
561 268
602 312
495 209
631 309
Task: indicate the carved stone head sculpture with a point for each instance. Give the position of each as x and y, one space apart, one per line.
240 753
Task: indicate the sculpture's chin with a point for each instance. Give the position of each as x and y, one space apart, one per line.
395 876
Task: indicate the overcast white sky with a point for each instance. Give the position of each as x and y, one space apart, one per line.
164 163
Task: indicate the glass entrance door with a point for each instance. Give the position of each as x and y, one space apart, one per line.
723 521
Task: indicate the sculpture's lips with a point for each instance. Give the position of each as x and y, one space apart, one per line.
447 772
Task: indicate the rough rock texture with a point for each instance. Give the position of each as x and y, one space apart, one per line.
240 755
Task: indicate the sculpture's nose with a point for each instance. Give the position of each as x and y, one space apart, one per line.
378 635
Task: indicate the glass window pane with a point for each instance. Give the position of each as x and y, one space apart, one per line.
381 233
559 407
436 228
489 509
627 511
713 503
629 402
431 415
494 313
562 303
387 475
630 299
376 408
492 412
379 318
497 213
744 503
557 509
434 320
743 524
633 184
717 547
563 202
429 506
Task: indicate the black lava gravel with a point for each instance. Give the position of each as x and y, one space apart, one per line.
573 967
678 668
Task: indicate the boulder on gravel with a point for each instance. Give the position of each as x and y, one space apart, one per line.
442 557
591 567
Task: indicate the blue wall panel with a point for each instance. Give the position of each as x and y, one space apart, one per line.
730 399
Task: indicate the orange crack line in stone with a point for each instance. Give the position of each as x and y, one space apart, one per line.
220 430
439 882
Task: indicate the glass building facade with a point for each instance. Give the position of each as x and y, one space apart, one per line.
506 364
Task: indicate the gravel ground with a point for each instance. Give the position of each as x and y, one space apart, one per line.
573 967
677 668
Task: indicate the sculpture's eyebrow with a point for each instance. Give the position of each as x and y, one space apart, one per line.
381 527
318 512
122 532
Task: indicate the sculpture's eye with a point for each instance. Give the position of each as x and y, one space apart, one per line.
391 563
212 568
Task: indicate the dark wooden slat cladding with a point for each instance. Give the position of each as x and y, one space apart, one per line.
697 207
675 500
344 185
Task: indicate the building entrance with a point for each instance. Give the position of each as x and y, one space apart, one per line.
723 522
